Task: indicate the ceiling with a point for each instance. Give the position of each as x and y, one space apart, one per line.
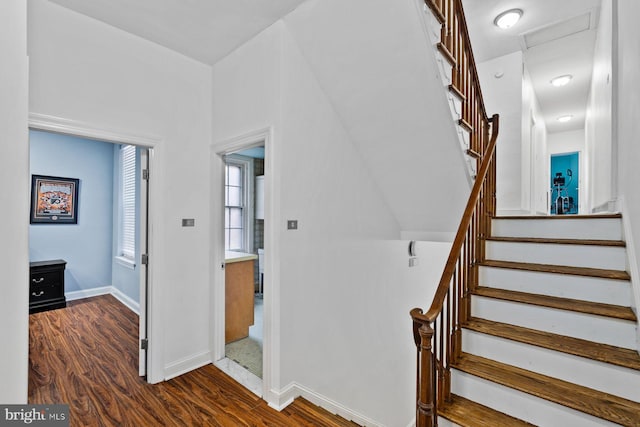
205 30
208 30
556 38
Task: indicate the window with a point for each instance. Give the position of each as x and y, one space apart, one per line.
236 200
127 225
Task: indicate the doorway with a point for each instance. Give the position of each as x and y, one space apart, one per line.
244 238
96 251
565 180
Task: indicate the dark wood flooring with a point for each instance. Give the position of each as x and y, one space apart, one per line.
86 355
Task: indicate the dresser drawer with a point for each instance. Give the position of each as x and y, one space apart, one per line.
46 285
45 292
46 278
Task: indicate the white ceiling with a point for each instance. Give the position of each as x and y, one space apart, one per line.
205 30
556 37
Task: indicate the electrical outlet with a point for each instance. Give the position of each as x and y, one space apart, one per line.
188 222
292 224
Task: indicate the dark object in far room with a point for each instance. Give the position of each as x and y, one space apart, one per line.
46 285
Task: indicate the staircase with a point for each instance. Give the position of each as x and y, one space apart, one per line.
551 338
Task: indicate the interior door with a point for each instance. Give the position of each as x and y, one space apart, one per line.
144 261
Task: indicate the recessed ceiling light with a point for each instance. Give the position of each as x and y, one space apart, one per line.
561 80
508 19
564 119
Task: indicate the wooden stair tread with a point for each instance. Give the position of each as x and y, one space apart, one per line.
467 413
593 402
559 269
593 216
578 347
308 414
588 307
615 243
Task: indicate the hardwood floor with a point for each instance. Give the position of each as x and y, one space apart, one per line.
86 355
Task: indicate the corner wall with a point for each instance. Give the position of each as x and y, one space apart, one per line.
14 227
340 285
598 124
504 96
88 73
627 127
125 278
86 246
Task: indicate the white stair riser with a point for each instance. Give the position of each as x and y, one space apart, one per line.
595 289
621 333
590 256
520 405
443 422
605 377
597 229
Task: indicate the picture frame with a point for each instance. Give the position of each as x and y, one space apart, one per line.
54 200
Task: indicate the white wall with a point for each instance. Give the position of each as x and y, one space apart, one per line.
14 227
598 128
343 283
627 128
535 173
379 72
88 72
504 96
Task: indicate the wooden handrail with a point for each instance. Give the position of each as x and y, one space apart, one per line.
437 333
461 234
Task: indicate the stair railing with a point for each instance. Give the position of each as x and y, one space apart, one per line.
437 333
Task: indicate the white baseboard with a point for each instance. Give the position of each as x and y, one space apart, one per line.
88 293
126 300
187 364
105 290
294 390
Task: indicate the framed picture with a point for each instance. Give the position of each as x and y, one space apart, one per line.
54 200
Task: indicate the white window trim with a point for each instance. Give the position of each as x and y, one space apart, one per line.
126 262
248 186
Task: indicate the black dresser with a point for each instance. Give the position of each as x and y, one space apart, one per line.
46 285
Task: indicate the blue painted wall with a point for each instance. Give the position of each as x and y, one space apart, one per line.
560 163
87 246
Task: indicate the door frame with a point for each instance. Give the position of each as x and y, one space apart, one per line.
271 295
149 297
581 191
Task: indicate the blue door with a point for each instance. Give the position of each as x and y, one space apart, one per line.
565 174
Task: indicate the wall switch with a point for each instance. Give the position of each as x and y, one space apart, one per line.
413 262
188 222
292 224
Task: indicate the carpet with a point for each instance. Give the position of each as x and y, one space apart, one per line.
248 353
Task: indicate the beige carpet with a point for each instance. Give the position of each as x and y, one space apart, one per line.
248 353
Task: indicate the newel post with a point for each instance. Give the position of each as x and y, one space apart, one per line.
425 381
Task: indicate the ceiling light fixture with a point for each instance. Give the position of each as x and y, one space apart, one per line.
561 80
564 119
508 19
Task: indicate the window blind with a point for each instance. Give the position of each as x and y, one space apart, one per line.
128 194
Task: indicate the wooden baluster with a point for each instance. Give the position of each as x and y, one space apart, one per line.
425 408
